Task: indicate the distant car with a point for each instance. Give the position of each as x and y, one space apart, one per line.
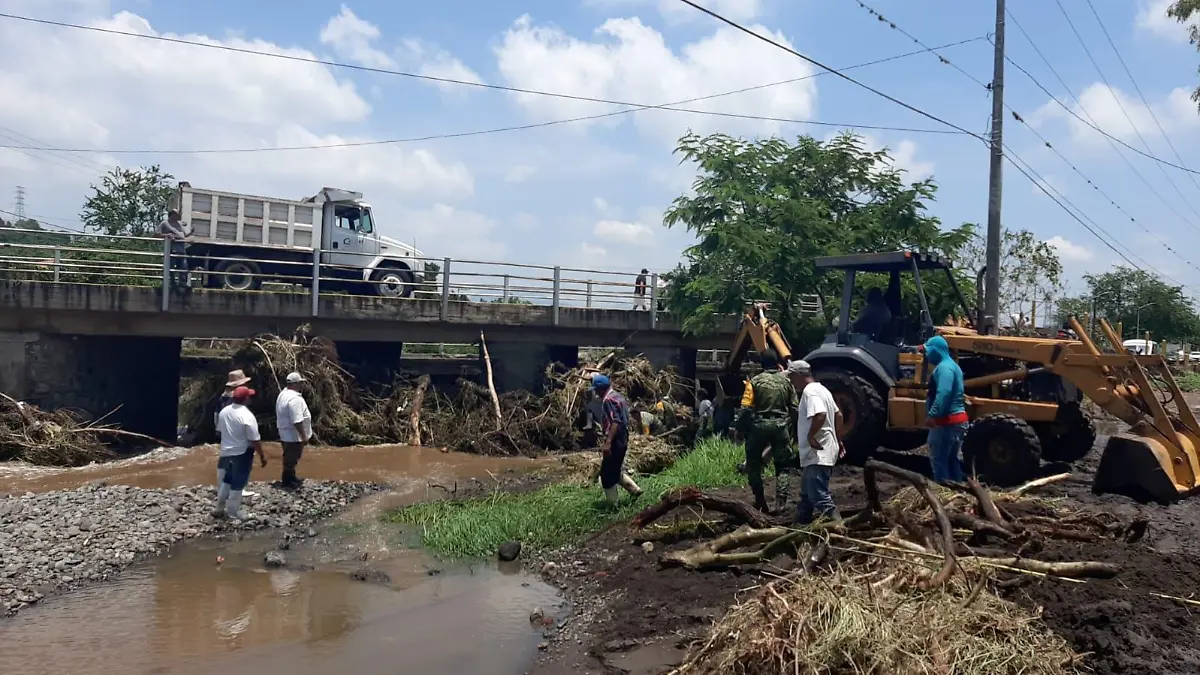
1194 356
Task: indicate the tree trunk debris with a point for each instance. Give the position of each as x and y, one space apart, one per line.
491 383
414 417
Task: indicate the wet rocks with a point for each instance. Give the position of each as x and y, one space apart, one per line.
274 559
54 541
509 550
370 575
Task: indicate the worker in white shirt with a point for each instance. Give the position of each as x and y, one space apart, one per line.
240 441
295 427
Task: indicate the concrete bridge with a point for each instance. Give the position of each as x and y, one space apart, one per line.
101 348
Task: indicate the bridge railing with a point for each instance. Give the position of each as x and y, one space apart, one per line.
96 259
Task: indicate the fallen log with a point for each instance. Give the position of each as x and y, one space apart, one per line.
491 383
714 553
987 507
922 486
414 417
979 526
1037 483
687 496
1068 570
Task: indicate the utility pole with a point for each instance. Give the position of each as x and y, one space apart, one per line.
20 210
991 298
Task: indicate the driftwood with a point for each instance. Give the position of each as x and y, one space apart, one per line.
987 507
1034 484
414 417
713 553
923 487
687 496
491 383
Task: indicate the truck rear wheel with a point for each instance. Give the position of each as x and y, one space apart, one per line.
239 274
392 282
1003 450
863 411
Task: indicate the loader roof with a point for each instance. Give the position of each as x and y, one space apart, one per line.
899 261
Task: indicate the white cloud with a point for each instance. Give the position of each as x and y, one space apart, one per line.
1152 17
629 61
459 233
93 90
436 62
1120 115
622 232
1070 252
519 173
904 157
352 39
592 251
677 12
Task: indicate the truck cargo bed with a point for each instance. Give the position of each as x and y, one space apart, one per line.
229 218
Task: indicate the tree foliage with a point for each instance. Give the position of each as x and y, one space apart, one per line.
1125 294
129 202
1184 11
763 210
21 223
1030 271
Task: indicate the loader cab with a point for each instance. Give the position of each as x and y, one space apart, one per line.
903 331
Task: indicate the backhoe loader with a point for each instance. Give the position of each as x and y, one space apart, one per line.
1024 394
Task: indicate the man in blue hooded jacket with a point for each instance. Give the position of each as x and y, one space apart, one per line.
945 411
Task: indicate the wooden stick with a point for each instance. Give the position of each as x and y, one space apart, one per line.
1069 570
487 362
922 486
414 417
689 495
1034 484
987 507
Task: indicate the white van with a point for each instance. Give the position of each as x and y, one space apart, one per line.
1142 347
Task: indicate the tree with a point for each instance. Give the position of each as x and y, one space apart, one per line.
1183 11
1030 271
22 224
129 202
1137 300
763 210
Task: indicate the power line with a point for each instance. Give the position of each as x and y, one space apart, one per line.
1120 105
1115 143
31 143
1017 116
636 107
1141 95
44 222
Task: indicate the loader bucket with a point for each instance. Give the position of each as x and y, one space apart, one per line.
1139 468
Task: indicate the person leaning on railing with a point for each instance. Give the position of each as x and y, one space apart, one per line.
174 229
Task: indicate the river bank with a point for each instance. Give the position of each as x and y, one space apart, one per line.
54 542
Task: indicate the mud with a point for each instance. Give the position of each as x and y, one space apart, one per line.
632 617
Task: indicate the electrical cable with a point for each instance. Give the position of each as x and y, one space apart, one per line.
1019 118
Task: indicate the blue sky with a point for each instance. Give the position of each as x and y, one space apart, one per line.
591 193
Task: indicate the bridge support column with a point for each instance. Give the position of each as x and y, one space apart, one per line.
136 379
373 364
522 366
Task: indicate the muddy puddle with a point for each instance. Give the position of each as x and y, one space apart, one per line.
187 614
409 470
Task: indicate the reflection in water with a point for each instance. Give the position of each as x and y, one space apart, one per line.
188 615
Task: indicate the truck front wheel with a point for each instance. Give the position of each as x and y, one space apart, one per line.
390 282
239 274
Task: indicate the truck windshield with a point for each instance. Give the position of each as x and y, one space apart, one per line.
364 224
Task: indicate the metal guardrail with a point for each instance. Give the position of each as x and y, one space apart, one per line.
97 259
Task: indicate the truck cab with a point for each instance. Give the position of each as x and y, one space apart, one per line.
354 249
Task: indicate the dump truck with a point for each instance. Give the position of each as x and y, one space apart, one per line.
237 241
1025 395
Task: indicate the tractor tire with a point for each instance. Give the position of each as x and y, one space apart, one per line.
1070 437
1002 450
903 440
864 412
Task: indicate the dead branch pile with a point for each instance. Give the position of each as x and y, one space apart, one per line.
529 424
646 455
58 438
902 586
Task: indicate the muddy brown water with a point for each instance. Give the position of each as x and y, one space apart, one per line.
185 613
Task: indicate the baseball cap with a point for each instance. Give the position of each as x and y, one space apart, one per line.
242 393
294 377
600 381
799 366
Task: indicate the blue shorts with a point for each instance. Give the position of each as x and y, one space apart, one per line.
237 469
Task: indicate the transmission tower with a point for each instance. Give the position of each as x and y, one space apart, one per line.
20 210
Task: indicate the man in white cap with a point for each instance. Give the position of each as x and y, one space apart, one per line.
819 430
294 422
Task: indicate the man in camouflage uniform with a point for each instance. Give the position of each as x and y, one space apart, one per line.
769 406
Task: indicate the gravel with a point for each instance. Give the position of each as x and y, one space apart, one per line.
56 541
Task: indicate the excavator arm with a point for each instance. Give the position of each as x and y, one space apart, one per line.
758 332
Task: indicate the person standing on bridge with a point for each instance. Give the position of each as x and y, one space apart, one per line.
294 422
240 441
174 230
640 301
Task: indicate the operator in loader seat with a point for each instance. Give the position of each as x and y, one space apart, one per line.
875 316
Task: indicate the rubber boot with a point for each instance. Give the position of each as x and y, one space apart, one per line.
222 498
612 495
233 510
760 501
630 486
782 489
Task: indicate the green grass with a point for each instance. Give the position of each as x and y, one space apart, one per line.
1188 381
559 514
